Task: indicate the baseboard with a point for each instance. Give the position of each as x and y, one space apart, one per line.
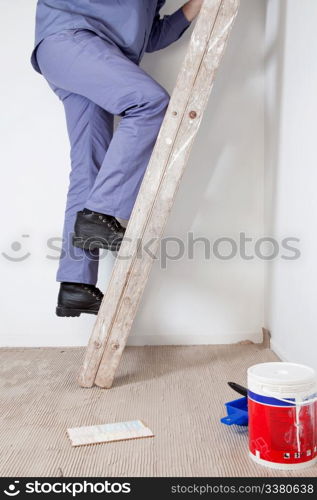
136 340
141 340
278 351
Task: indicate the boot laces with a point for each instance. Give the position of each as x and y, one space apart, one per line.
114 224
94 291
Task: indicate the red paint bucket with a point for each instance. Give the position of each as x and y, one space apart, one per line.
282 407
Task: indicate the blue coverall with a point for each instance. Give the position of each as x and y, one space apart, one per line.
89 53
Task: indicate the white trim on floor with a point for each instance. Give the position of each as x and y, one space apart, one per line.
77 339
278 351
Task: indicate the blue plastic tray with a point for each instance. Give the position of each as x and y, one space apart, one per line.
237 412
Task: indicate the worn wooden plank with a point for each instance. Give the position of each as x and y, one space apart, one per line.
157 192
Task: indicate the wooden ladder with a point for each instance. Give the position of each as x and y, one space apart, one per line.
157 192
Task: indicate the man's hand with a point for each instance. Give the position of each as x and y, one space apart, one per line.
192 8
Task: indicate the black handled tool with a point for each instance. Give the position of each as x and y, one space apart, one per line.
238 388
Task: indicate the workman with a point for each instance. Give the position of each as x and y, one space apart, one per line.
89 52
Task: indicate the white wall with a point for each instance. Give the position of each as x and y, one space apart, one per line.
192 301
291 71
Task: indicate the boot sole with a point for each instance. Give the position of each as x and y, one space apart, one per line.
67 312
95 245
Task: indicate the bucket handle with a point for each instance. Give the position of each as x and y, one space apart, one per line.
295 403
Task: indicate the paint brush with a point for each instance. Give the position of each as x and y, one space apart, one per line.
238 388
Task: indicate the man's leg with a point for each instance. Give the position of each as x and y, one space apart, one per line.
90 130
81 62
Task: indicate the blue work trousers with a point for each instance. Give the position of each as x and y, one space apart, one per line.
96 81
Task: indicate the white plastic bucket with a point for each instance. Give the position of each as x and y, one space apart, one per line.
282 407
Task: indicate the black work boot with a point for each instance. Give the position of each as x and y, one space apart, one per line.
77 298
94 230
